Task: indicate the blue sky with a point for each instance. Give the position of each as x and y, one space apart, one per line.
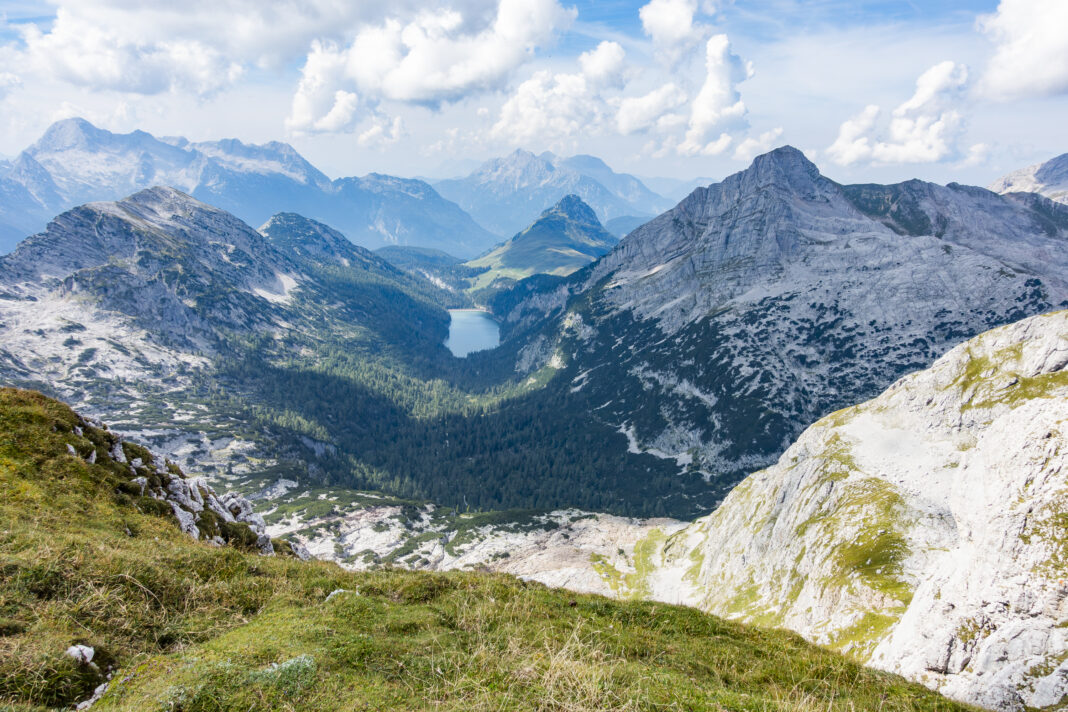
881 91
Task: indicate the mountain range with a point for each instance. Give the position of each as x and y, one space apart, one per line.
507 194
690 355
716 363
74 162
158 310
713 334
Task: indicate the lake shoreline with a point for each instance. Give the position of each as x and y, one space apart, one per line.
472 330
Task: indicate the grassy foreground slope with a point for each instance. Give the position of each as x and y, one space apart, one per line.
184 625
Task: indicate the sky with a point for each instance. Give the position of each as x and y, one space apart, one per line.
871 90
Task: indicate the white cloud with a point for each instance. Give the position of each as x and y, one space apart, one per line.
200 46
668 22
382 134
977 155
549 107
641 112
436 57
556 107
1031 48
604 65
105 57
718 104
854 143
317 104
754 145
923 129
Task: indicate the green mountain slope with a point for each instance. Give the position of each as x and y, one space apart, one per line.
180 624
566 238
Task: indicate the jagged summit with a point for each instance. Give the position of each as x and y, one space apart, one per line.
573 208
785 167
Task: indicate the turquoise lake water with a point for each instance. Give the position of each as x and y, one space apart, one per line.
471 330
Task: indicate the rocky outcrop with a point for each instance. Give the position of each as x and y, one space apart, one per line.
922 532
159 487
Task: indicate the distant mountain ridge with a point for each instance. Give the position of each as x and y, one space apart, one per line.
565 238
1049 178
75 162
507 194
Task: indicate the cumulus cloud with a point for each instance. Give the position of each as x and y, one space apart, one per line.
1031 48
99 56
718 104
554 107
317 104
382 133
604 65
923 129
668 22
854 141
202 46
754 145
671 26
641 112
688 117
434 58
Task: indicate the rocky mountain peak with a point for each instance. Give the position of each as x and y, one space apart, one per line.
785 165
165 201
1054 170
69 133
1049 179
573 208
309 238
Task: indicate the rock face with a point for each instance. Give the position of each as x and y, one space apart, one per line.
717 331
161 487
74 162
1049 179
922 532
565 238
507 194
